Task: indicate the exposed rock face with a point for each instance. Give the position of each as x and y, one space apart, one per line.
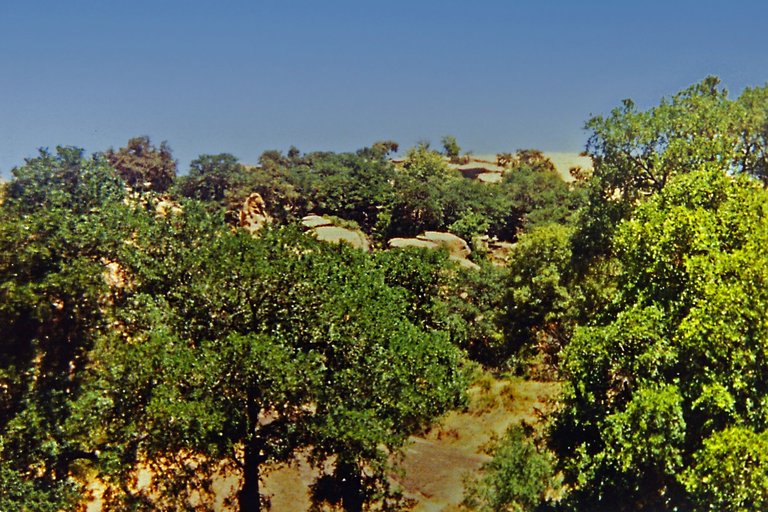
399 243
315 221
490 177
116 278
114 275
253 214
464 262
324 230
336 234
166 206
499 251
456 246
481 170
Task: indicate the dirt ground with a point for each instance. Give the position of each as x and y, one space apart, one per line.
435 465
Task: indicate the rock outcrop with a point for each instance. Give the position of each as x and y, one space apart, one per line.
323 229
399 243
490 177
457 247
253 214
464 262
315 221
498 252
114 275
166 206
480 170
335 234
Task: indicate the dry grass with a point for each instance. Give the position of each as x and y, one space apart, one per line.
435 464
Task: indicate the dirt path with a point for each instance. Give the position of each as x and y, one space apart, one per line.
435 465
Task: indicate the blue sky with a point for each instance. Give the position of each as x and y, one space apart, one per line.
244 76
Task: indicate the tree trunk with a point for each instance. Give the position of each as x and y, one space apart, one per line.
249 497
349 477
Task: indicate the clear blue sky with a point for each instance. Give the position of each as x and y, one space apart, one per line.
244 76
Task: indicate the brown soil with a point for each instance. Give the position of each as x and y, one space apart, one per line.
434 465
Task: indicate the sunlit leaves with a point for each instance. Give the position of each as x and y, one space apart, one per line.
730 472
682 360
636 152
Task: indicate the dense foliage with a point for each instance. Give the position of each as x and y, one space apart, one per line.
133 332
387 200
143 166
635 153
55 234
517 478
653 305
143 329
654 390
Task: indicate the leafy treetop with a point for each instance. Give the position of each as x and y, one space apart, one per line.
144 166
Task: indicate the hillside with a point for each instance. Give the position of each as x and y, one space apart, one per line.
352 331
563 161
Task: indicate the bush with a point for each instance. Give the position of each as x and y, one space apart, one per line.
517 478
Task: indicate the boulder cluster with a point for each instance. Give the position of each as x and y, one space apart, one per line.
254 216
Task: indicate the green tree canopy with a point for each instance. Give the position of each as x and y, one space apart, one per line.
517 478
538 300
61 219
211 177
280 342
130 335
144 166
655 387
451 148
635 153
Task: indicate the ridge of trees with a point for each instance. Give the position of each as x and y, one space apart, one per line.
384 199
135 331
